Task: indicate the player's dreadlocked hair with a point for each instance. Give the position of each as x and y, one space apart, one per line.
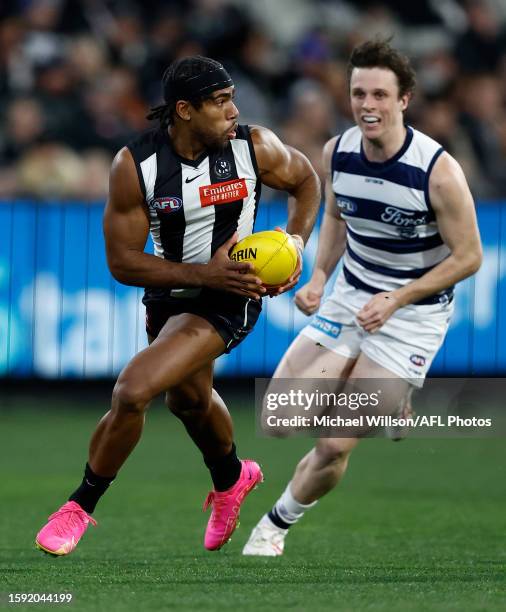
379 54
173 79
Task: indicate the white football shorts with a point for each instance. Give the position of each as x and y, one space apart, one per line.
406 344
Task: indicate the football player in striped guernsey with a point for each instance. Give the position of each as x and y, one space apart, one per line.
399 213
194 183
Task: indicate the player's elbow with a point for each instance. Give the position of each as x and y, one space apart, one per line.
119 275
471 261
118 269
477 262
305 179
313 179
476 259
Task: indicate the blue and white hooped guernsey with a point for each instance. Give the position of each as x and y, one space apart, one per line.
392 232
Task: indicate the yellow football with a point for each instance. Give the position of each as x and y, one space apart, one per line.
272 253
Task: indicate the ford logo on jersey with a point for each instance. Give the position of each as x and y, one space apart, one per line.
404 218
346 206
166 204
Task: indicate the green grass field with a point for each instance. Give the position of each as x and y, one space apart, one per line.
416 525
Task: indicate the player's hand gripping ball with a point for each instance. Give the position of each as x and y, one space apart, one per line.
272 253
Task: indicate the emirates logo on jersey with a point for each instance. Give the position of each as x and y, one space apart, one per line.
221 193
166 204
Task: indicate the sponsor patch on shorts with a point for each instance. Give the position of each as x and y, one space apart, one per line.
331 328
418 360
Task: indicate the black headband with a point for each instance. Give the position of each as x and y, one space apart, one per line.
198 86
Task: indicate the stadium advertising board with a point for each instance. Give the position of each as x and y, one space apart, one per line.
62 314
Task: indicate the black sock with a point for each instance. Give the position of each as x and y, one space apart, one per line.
90 490
225 471
277 520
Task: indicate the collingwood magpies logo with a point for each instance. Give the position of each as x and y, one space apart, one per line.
223 169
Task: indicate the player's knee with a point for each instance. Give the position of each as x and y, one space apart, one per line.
333 450
130 396
273 427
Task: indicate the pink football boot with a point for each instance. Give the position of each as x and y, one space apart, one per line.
226 505
64 529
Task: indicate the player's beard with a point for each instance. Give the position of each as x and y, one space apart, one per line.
212 141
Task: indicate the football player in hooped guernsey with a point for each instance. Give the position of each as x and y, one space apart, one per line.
194 183
399 212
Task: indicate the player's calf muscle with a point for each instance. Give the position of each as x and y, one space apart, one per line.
185 402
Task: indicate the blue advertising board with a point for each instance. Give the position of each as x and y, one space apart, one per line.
62 315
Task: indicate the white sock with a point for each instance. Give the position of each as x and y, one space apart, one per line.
287 510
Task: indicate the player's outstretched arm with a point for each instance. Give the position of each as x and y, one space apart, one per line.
453 206
126 228
331 242
284 168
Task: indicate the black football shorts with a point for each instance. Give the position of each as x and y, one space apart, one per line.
232 315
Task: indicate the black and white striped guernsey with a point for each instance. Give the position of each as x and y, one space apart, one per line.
392 233
195 205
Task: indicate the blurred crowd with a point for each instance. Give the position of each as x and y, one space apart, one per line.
77 78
